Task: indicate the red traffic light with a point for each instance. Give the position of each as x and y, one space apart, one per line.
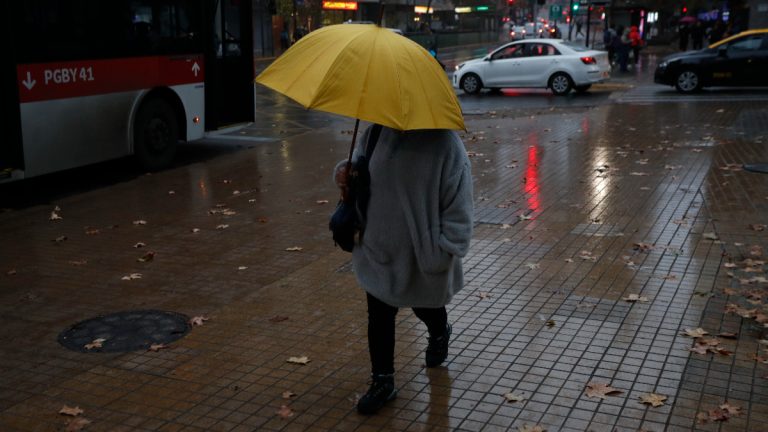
685 9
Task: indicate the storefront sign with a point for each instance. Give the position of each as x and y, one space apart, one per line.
339 5
464 9
422 9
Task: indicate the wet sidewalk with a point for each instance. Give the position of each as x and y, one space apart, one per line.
605 237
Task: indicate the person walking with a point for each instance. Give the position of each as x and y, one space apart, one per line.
697 36
636 43
418 227
609 36
623 49
683 32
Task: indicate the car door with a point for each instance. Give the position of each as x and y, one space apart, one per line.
737 63
501 67
535 68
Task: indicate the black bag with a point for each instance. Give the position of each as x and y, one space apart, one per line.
349 217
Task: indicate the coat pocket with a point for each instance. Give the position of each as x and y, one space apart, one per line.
431 257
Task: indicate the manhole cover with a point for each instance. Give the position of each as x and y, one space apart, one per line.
125 331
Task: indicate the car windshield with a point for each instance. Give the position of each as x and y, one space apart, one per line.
575 47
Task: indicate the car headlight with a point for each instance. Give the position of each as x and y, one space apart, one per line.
663 65
459 67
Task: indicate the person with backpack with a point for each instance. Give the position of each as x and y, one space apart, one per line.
417 227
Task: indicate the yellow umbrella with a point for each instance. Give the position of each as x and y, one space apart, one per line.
368 73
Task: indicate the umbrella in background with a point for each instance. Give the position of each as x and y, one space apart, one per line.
687 20
368 73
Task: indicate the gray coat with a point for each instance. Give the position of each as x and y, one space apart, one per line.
419 218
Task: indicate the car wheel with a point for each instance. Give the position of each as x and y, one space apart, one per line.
155 134
582 88
687 82
561 84
471 83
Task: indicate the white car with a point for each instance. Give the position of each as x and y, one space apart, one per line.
539 63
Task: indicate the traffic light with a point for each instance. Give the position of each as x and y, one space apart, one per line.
510 2
575 7
685 9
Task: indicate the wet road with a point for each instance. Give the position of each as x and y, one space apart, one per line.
581 202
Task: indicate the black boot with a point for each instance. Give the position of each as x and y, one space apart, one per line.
382 391
437 350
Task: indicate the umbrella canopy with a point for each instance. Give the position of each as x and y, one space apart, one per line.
687 19
368 73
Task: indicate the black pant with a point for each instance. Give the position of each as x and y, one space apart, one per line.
381 331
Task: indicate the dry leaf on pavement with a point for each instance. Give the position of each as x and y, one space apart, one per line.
77 424
721 413
147 257
757 227
699 332
132 276
600 390
71 411
139 245
198 320
97 343
523 217
288 394
299 360
322 201
55 216
59 239
533 266
140 222
653 399
635 298
710 236
294 249
157 347
483 295
285 412
278 318
511 397
222 226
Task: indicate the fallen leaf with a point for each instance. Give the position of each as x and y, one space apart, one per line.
171 192
242 268
569 260
600 390
635 173
506 226
523 217
278 318
299 360
285 412
92 231
77 424
132 276
699 332
149 256
140 222
322 201
97 343
643 247
263 220
60 239
728 335
533 265
54 216
195 230
11 272
288 394
139 245
71 411
157 347
295 249
511 397
198 320
699 349
710 236
550 323
635 298
730 291
483 295
222 226
653 399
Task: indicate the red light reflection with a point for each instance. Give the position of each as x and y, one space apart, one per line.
532 178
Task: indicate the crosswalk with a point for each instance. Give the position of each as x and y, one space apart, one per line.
657 93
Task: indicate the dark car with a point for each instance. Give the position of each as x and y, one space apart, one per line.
740 60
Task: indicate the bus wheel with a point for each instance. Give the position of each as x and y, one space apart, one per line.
155 135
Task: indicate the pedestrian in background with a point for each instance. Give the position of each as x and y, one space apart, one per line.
697 36
418 227
609 35
636 42
716 32
623 49
683 32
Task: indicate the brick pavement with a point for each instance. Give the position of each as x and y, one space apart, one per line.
541 316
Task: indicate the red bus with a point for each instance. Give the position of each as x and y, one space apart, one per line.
84 81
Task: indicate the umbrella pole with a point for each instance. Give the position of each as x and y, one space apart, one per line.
352 146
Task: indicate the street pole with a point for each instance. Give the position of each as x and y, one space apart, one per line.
570 19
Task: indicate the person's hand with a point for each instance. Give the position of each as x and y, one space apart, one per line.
341 176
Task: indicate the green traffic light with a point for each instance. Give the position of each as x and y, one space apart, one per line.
576 6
